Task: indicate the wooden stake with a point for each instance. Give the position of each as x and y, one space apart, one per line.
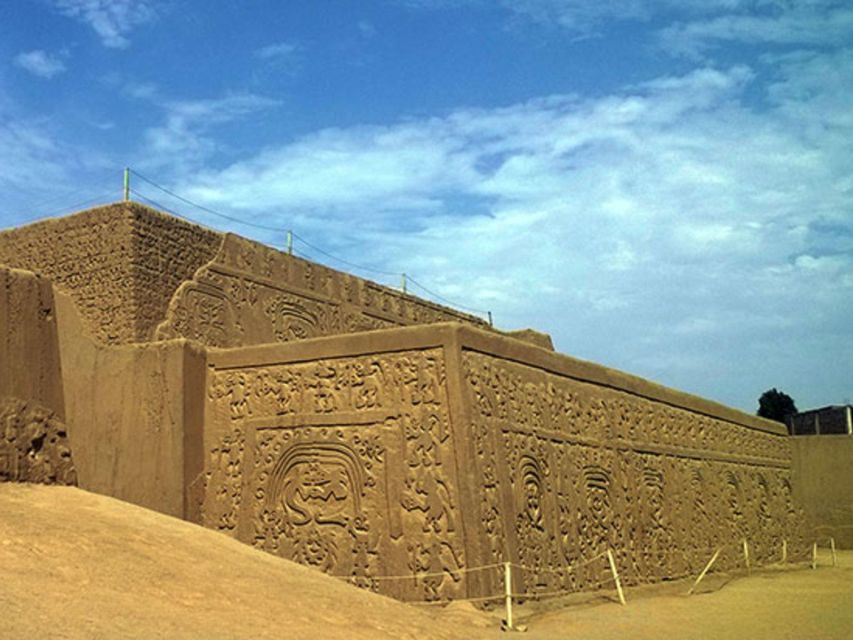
615 576
508 593
814 556
784 551
704 571
834 557
746 555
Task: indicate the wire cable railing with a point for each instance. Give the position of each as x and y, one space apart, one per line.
309 249
406 278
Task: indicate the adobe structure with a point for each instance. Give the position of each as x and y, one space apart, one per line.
357 429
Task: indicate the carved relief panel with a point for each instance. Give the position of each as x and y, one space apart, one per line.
33 445
252 294
591 469
342 464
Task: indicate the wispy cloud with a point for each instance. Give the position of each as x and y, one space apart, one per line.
686 27
184 139
814 23
36 165
276 50
112 20
280 57
40 63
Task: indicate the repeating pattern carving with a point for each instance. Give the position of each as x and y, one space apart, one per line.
344 464
251 294
590 469
33 445
349 465
120 263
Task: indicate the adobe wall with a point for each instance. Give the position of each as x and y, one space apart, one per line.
571 459
338 453
124 421
33 437
823 484
432 449
120 263
29 348
252 294
134 415
137 275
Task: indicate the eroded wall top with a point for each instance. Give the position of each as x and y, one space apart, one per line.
120 263
138 275
253 294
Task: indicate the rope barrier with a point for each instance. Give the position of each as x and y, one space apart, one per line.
435 574
203 208
509 595
567 569
73 207
442 603
445 300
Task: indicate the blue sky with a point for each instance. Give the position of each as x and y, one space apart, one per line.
664 186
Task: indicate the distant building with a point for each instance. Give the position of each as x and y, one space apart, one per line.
831 420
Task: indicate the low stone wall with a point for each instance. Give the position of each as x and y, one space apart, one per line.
823 485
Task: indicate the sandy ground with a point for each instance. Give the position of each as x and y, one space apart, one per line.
77 565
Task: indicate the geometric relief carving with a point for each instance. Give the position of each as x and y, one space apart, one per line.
315 499
530 522
594 468
200 313
251 294
344 464
314 494
223 482
292 319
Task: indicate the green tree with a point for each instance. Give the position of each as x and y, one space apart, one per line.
776 405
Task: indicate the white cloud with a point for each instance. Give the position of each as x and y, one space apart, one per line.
277 50
793 24
112 20
691 26
184 139
40 63
671 208
278 58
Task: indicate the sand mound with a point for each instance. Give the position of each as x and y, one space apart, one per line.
79 565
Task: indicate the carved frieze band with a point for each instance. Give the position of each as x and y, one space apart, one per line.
252 294
570 470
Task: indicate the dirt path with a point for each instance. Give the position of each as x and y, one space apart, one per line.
76 565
